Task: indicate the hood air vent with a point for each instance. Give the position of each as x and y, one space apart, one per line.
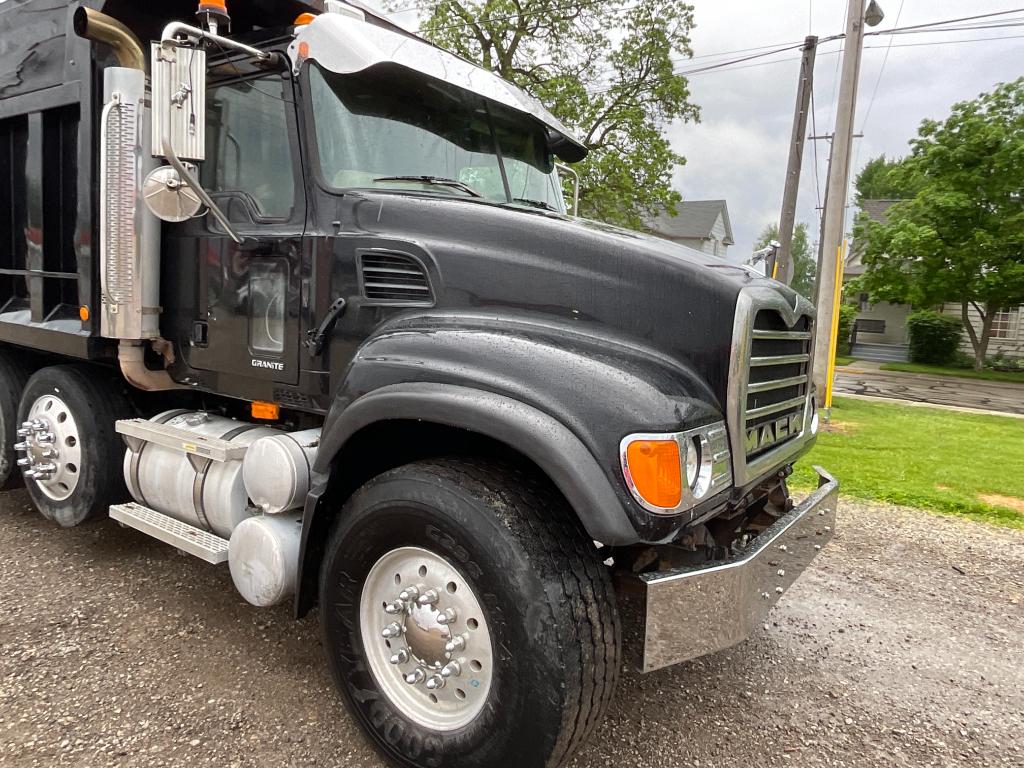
394 279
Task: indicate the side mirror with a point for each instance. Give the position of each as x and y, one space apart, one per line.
179 101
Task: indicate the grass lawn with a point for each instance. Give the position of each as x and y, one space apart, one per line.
840 360
949 462
964 373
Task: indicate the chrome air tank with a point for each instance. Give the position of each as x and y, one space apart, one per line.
276 470
207 494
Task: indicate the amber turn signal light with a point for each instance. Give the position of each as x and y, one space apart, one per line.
266 411
214 6
304 18
655 471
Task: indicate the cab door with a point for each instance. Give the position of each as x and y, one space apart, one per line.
249 302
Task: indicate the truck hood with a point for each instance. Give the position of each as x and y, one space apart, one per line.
662 295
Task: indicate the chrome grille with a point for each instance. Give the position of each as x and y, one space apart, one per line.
777 378
769 381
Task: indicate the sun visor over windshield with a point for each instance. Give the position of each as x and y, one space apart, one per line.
345 45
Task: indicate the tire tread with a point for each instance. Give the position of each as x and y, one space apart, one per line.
593 634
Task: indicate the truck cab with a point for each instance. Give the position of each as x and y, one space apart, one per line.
295 290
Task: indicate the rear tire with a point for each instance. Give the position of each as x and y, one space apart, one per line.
541 659
14 373
77 407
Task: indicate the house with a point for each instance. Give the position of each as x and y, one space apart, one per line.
700 224
880 330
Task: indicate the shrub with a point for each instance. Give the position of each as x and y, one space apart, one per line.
934 338
1001 362
847 314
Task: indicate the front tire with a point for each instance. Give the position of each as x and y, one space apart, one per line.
73 452
498 553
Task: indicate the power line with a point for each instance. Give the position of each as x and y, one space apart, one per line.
878 80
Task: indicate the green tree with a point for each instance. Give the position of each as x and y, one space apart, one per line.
878 180
605 69
960 238
805 265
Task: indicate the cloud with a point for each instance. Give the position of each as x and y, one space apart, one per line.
739 150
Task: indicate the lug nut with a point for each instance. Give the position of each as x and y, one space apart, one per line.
47 468
455 645
30 474
45 437
428 598
393 629
416 676
447 616
435 682
24 431
451 669
409 594
401 657
396 607
25 462
21 446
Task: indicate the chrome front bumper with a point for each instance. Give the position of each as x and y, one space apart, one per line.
690 612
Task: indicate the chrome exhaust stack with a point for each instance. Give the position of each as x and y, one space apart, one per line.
129 232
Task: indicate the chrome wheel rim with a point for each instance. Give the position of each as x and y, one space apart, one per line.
50 448
426 638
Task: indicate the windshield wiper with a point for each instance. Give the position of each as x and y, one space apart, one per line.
535 203
439 180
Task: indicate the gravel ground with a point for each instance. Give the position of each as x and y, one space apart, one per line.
900 647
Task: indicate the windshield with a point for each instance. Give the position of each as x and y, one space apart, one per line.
384 128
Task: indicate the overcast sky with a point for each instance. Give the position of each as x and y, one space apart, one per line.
740 148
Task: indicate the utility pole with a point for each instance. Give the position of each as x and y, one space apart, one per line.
829 270
784 257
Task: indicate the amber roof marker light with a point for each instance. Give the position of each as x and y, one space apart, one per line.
213 14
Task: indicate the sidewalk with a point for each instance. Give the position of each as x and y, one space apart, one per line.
865 379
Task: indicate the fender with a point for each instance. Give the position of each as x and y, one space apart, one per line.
559 393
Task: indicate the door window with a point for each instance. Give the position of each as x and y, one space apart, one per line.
247 144
268 292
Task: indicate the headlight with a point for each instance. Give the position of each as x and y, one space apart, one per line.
670 473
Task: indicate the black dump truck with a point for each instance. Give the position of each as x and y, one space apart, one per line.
294 290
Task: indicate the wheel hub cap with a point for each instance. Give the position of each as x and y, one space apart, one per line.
49 448
426 638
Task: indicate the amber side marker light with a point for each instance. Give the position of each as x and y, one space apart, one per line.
83 313
266 411
655 472
304 18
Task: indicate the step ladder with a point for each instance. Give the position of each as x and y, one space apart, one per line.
205 447
202 450
187 538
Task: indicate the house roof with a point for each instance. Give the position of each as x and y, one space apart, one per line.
876 210
694 219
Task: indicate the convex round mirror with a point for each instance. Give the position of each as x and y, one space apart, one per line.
168 197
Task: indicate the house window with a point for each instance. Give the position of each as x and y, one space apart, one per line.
1004 325
862 302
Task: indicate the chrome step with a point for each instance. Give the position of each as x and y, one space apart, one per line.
181 440
189 539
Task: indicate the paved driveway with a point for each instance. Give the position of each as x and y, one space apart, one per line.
867 379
